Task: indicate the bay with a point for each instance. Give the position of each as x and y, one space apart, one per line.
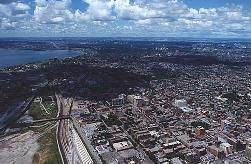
11 57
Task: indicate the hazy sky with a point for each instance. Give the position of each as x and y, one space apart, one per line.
113 18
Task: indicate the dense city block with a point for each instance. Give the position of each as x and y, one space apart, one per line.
129 101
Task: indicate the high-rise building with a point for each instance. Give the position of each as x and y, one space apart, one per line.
200 131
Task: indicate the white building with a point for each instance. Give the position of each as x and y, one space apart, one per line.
135 100
180 103
130 98
227 148
138 101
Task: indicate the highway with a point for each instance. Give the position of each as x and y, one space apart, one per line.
86 142
73 144
63 131
69 133
81 149
12 115
32 123
50 119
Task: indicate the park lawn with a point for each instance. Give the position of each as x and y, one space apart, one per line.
37 112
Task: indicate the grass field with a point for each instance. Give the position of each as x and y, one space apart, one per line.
38 112
48 152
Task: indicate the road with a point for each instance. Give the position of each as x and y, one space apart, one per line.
66 128
68 135
86 142
32 123
12 115
146 157
62 130
41 104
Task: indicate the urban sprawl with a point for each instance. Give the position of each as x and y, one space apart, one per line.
125 101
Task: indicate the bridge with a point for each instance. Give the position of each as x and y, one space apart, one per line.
49 119
31 123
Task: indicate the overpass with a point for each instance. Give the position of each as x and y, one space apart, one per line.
49 119
31 123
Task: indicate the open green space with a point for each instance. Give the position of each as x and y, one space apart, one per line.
48 152
44 110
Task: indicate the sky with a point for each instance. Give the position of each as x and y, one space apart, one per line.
126 18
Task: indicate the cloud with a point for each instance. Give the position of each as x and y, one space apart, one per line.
12 13
227 18
97 10
53 11
121 16
14 9
7 24
126 10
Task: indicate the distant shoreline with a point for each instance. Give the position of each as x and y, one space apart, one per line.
14 57
132 38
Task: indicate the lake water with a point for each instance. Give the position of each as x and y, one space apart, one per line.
11 57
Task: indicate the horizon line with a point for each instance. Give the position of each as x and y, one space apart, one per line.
162 37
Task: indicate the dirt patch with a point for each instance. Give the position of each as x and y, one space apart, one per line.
18 148
48 150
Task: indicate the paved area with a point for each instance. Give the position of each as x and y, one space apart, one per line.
18 148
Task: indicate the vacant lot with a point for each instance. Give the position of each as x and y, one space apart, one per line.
18 148
48 150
